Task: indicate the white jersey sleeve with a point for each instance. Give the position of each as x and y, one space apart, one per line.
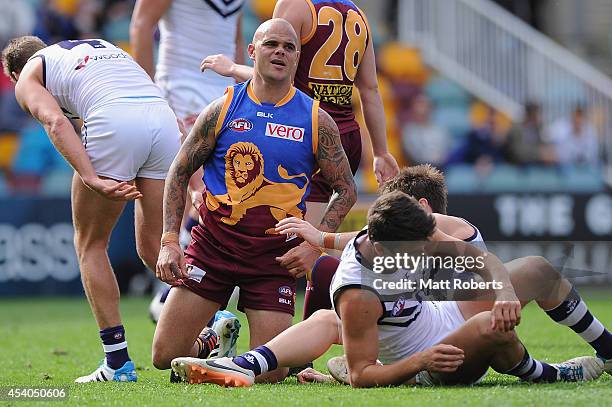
84 75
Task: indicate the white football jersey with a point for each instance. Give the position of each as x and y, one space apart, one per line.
401 308
191 30
83 75
408 323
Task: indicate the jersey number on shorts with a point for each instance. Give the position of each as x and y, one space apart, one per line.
356 31
69 44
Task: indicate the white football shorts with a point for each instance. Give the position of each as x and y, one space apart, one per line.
188 97
435 322
132 138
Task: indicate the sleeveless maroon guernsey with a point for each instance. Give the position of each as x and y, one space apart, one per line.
330 56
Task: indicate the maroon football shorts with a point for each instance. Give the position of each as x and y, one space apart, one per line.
320 190
214 271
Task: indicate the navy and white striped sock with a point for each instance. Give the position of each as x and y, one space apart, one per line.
533 370
260 360
574 313
115 346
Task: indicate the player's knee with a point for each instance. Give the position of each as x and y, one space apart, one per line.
326 318
85 244
491 336
545 271
160 359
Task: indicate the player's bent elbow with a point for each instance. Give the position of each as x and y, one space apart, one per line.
55 124
358 381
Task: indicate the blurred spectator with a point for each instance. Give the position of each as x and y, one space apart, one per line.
575 140
526 145
51 25
116 21
530 11
423 141
12 118
484 145
17 18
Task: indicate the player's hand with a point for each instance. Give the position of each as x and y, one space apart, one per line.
442 358
300 259
170 263
506 312
385 167
113 190
217 63
309 375
301 228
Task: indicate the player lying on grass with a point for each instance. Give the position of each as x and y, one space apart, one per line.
425 342
533 277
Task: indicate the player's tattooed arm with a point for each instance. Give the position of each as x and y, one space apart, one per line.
197 147
335 168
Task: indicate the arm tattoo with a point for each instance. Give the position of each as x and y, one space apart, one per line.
193 153
336 170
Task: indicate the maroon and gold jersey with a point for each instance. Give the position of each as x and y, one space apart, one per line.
330 56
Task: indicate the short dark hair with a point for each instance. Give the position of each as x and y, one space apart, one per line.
398 217
421 181
18 51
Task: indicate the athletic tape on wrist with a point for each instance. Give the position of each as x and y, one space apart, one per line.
169 237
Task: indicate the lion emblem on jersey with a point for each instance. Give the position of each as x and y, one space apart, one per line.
248 188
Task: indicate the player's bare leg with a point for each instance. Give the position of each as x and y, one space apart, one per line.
263 326
535 279
308 340
301 343
148 219
182 319
503 351
94 218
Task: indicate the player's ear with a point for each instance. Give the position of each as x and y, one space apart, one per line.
425 204
251 51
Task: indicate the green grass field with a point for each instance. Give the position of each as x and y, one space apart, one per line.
49 342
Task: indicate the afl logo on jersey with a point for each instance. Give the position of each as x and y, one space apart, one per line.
240 125
398 307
